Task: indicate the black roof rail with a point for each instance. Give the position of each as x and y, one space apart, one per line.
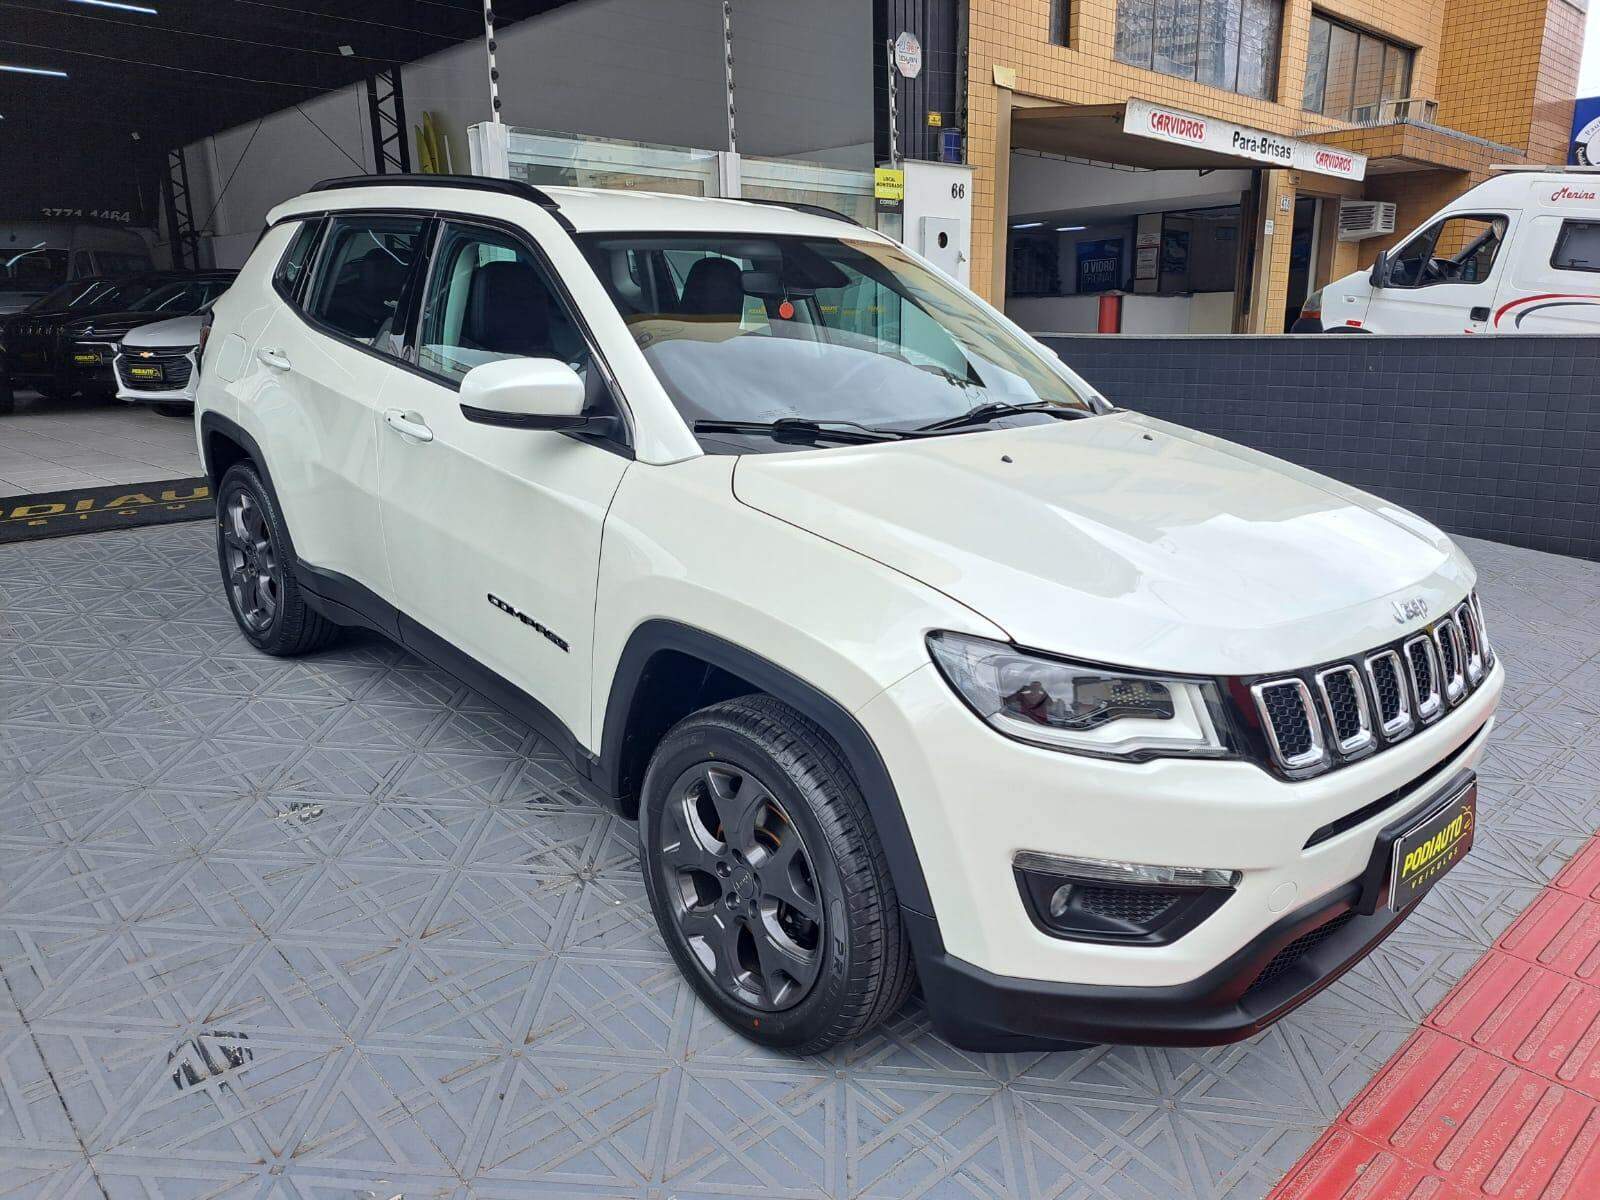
816 210
478 183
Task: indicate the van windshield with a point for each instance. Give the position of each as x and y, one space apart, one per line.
760 328
33 269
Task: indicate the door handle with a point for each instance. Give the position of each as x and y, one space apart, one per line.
276 359
1479 314
400 423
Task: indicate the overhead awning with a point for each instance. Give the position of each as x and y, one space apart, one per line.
1141 134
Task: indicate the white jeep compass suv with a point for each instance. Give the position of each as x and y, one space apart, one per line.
910 654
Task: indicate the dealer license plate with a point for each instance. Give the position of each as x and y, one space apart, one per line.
144 372
1438 842
86 358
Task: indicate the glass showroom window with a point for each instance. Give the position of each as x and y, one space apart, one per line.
1349 73
1229 44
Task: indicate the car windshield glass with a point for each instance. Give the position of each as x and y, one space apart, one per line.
760 328
178 298
68 295
34 269
115 295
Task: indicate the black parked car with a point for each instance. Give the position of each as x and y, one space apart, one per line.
65 342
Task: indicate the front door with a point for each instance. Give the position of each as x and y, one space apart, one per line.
493 534
1443 280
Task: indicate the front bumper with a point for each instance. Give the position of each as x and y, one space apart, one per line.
175 374
979 1010
973 799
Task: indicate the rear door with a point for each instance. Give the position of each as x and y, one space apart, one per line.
1444 279
326 358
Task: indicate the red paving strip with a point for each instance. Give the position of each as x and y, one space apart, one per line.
1498 1094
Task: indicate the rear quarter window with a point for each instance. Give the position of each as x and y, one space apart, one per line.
292 266
1577 247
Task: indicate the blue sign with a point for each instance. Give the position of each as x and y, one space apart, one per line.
1100 265
1585 149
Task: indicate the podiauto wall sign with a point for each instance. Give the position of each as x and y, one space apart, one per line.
1143 119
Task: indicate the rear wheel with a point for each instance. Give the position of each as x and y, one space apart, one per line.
258 569
767 879
8 398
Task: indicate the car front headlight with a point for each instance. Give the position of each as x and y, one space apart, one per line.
1080 707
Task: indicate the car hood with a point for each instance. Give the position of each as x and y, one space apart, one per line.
1125 540
111 324
178 331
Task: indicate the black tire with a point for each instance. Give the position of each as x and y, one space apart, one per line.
860 966
178 409
258 569
8 398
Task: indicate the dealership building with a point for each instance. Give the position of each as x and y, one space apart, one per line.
1135 140
1214 160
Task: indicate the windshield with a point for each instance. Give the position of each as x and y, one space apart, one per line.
180 298
68 295
34 269
759 328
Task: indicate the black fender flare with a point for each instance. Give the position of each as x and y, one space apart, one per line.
866 764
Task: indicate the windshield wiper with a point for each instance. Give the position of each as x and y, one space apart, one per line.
803 431
985 413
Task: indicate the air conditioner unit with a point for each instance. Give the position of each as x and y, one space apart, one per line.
1361 219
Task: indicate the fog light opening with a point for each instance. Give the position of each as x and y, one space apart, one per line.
1096 900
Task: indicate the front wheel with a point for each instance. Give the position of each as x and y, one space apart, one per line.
767 879
258 569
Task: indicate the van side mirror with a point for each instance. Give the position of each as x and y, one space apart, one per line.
1380 270
529 393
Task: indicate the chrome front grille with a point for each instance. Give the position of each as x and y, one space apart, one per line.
1291 722
1387 678
1422 664
1345 702
1344 711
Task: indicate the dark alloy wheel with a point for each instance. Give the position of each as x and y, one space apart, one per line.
767 879
741 886
258 569
250 561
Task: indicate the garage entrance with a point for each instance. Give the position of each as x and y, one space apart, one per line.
1179 216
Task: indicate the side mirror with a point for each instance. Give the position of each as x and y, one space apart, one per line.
529 393
1380 270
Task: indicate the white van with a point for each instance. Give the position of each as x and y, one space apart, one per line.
37 256
1519 253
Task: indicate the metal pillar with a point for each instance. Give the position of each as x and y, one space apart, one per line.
181 234
727 75
386 112
490 45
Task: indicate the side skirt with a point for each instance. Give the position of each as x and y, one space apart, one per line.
346 602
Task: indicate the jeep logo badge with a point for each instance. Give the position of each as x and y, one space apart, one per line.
1408 610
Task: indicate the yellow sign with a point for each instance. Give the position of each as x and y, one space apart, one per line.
936 119
889 184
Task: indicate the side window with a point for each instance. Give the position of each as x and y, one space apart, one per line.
365 266
82 264
292 267
488 300
1454 250
1577 247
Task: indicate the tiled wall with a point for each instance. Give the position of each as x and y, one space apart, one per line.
1493 437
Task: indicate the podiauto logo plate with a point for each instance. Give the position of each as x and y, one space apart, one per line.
1437 843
